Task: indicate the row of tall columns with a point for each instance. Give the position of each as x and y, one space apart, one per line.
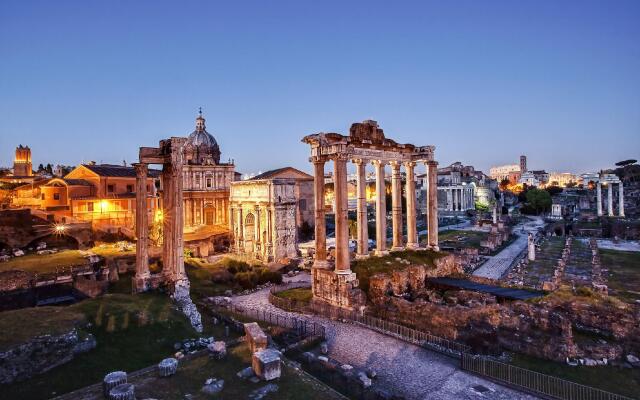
341 212
459 199
610 199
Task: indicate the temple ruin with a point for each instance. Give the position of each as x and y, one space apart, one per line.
336 284
170 155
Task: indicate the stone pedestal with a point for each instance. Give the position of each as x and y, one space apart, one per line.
167 367
256 338
112 380
266 364
336 289
126 391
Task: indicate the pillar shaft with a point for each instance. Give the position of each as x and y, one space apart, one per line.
410 192
341 214
599 198
320 224
449 200
396 205
432 205
142 229
381 211
620 199
257 231
610 199
173 222
361 188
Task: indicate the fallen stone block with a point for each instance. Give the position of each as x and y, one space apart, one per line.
112 380
256 337
218 349
126 391
212 386
266 364
168 366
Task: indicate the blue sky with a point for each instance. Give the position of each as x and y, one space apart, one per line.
484 81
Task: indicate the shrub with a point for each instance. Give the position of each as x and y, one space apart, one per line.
221 276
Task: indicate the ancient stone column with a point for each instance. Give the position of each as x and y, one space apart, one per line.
141 280
240 231
381 210
610 199
531 248
341 214
361 189
257 231
269 234
232 227
599 198
396 206
168 232
620 199
432 207
410 189
320 224
449 200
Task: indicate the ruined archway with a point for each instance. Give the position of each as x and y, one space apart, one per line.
249 232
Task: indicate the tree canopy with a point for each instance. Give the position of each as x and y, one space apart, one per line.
626 162
539 200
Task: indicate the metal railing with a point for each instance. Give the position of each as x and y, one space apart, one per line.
532 381
301 326
289 304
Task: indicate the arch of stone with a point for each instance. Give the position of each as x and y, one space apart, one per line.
336 284
170 155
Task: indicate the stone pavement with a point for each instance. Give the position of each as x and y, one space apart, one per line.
402 368
495 267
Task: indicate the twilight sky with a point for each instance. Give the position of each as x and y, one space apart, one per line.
484 81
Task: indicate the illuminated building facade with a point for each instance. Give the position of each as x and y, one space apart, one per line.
22 166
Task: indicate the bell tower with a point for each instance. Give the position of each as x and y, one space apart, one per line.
22 162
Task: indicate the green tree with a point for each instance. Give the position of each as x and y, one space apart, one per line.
504 184
539 200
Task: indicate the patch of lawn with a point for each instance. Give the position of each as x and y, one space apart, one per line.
297 294
612 379
461 239
132 332
387 264
45 263
18 326
624 273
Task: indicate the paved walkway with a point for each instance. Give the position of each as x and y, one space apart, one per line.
402 368
495 267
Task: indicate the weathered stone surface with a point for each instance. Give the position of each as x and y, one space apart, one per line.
168 367
261 392
266 364
212 386
125 391
41 354
256 337
218 349
113 379
183 299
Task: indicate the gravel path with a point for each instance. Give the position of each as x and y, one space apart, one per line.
402 368
496 266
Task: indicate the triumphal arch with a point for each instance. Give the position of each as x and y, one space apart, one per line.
335 283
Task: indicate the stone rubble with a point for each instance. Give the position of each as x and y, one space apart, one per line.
185 304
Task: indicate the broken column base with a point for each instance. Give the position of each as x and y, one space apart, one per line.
266 364
336 289
141 283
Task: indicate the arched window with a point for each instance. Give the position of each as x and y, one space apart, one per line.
250 219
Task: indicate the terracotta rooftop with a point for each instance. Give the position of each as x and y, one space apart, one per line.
118 170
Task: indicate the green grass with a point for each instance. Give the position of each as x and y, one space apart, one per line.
461 239
366 268
44 263
192 374
132 332
297 294
621 381
624 273
18 326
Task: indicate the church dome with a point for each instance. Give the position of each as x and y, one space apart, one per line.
201 146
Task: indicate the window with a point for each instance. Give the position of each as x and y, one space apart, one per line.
197 180
209 182
110 188
56 196
42 196
90 206
129 188
303 204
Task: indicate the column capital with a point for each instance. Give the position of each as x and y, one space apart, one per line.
141 169
395 165
378 163
431 163
318 159
340 157
409 164
360 161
